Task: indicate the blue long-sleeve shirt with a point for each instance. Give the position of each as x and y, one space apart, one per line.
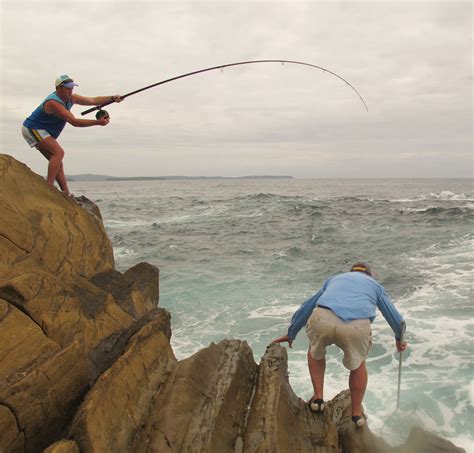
352 295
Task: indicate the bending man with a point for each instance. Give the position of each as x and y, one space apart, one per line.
42 128
341 313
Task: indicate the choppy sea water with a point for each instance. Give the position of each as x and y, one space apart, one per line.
237 258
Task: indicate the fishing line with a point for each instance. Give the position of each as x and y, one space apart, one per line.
99 107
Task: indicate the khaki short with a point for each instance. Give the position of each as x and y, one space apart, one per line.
354 337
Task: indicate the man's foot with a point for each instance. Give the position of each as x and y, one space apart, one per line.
52 186
316 404
359 421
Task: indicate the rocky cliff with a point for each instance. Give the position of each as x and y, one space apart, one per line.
86 363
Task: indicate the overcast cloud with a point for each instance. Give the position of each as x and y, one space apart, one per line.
411 62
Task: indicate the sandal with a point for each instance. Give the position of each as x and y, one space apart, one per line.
358 420
316 405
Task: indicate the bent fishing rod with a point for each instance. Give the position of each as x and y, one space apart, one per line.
99 107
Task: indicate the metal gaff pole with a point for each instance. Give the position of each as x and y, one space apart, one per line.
402 335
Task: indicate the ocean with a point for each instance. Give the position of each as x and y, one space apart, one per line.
238 256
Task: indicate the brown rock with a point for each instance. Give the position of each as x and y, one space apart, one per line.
44 399
119 402
59 330
203 404
40 228
24 351
89 206
83 320
11 438
279 421
66 313
352 440
109 349
136 291
424 441
63 446
23 344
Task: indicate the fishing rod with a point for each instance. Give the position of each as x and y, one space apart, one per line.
102 113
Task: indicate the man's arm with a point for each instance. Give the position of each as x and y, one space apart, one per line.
84 100
55 108
301 316
393 317
299 319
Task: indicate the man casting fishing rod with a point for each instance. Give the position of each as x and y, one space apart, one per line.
341 313
42 128
228 65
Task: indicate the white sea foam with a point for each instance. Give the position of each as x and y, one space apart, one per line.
448 195
173 219
200 212
250 216
462 442
469 206
443 195
434 362
447 271
133 222
196 213
123 252
284 311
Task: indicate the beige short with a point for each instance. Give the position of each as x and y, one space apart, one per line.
354 337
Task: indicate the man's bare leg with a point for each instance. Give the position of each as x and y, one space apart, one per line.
51 149
61 179
317 369
357 384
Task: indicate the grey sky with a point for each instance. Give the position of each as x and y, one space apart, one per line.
411 61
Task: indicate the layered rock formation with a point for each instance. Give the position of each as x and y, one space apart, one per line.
65 313
86 363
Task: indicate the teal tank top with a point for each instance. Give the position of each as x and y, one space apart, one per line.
39 119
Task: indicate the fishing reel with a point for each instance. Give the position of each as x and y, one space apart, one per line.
102 114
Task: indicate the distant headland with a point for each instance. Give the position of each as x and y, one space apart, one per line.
90 177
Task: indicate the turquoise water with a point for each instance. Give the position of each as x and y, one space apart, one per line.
237 257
